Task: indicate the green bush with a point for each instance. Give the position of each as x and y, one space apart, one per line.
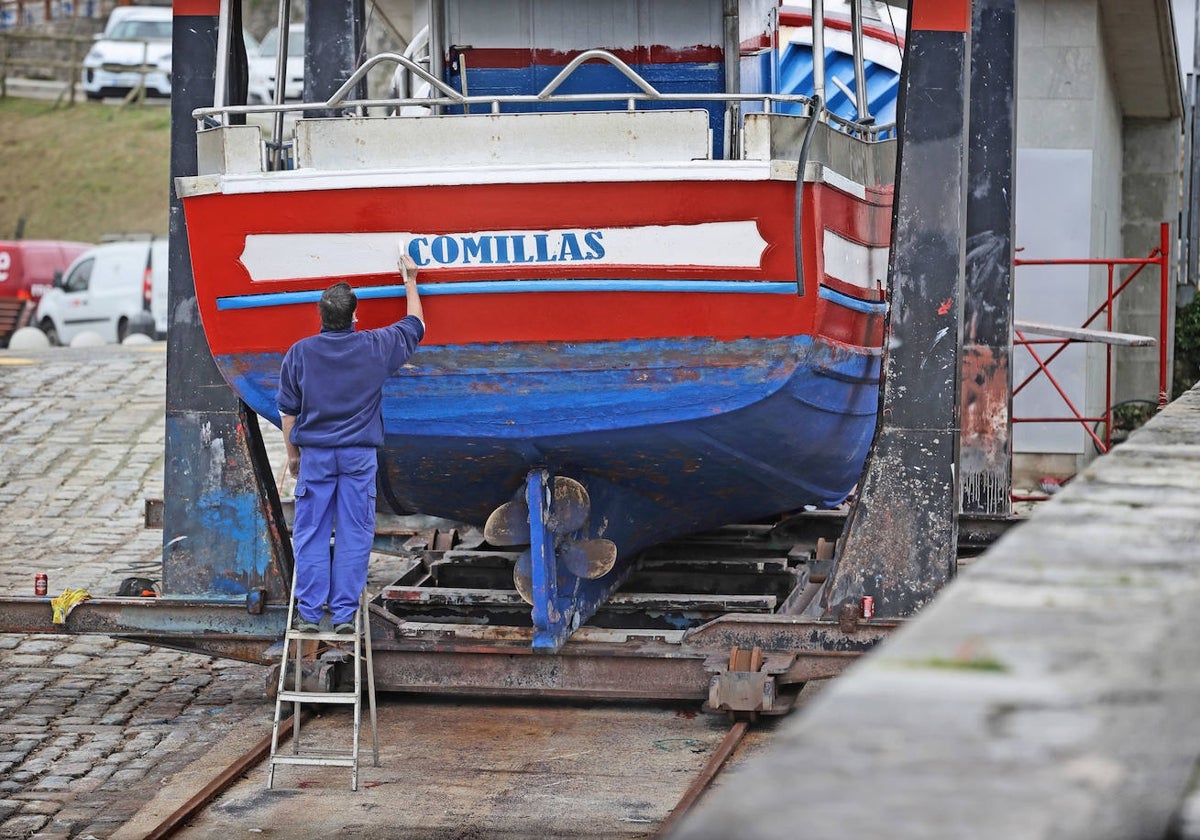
1187 347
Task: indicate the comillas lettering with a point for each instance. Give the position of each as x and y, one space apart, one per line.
466 249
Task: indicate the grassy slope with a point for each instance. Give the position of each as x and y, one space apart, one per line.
84 171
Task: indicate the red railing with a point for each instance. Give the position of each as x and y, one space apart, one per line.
1159 256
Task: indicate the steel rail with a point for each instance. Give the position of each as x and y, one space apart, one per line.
707 773
188 810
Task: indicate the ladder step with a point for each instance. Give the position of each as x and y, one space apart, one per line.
321 636
353 648
318 696
315 761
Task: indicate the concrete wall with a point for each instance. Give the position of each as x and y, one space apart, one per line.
1071 116
1150 197
1068 183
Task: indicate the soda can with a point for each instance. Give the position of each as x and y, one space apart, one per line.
39 584
868 607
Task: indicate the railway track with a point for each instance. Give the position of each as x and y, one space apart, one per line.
639 768
456 768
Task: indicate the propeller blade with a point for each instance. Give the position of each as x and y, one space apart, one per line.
589 559
523 576
508 524
570 506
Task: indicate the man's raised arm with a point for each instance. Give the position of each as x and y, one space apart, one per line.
412 297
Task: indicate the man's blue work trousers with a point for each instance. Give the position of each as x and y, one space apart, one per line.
335 495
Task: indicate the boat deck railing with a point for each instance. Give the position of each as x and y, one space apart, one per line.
446 96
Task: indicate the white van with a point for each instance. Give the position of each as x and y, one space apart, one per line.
108 290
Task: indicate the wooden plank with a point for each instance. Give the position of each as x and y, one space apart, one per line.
1082 334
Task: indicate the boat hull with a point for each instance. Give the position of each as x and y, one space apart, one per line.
651 339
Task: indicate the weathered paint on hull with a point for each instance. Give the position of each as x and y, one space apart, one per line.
740 430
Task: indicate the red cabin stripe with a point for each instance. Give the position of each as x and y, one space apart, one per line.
877 33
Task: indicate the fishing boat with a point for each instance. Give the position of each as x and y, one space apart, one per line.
651 259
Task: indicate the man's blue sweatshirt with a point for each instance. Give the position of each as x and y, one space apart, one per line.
332 382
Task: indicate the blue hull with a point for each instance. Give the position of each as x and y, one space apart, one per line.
668 436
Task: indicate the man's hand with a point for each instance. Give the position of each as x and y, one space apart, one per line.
294 465
408 268
411 296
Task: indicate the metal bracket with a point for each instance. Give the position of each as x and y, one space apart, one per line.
742 691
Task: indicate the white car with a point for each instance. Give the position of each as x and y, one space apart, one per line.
261 88
112 66
109 290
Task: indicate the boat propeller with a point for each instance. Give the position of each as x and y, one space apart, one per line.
508 525
588 559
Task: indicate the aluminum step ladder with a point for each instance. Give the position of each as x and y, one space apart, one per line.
297 696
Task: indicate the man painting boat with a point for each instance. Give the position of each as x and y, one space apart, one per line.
330 394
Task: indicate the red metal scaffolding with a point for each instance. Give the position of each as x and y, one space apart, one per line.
1159 256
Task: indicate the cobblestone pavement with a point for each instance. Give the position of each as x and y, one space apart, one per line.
90 727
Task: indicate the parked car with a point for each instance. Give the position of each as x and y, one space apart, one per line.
27 266
133 33
108 290
261 88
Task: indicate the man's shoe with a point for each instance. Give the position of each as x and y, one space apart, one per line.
305 626
346 628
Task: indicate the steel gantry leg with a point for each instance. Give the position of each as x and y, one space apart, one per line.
899 545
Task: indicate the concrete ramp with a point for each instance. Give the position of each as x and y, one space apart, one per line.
1051 691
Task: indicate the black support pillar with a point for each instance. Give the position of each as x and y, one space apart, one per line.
985 456
223 530
334 38
900 541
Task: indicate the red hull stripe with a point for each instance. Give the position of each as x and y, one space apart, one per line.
850 290
862 330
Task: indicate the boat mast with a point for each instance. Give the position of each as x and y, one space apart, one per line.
733 77
281 56
437 37
818 50
860 75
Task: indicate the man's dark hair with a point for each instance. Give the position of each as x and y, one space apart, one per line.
337 307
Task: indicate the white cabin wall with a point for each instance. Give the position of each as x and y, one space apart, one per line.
572 25
755 19
483 23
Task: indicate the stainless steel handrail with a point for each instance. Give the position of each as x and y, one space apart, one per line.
403 60
452 97
588 55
